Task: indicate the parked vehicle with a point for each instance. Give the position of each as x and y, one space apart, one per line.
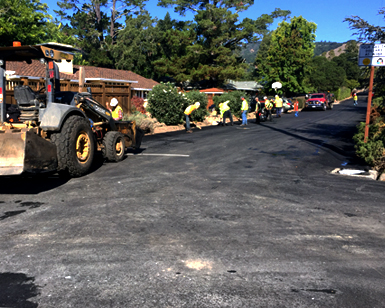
320 101
287 105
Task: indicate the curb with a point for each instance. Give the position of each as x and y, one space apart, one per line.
371 174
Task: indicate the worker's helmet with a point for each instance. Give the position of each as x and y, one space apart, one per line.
276 96
114 102
265 97
197 104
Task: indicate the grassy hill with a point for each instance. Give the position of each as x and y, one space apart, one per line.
250 51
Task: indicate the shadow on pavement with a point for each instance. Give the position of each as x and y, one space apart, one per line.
16 289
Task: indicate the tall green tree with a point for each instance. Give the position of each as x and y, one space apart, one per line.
136 47
23 20
96 24
174 39
213 55
290 50
325 75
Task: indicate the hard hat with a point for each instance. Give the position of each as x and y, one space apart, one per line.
265 97
114 102
197 104
276 96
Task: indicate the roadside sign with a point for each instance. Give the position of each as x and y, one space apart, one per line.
371 55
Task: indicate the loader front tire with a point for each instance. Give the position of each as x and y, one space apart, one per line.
113 146
75 146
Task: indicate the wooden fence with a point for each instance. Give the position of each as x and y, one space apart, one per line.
101 91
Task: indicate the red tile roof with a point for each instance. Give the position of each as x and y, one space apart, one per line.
36 69
212 90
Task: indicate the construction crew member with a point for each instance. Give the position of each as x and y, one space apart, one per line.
269 106
116 110
188 112
224 109
355 99
278 105
244 109
296 107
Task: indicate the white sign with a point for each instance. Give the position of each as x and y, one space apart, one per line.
372 55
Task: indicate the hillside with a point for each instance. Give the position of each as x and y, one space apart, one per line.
250 51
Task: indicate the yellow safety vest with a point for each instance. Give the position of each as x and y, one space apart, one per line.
245 105
278 102
268 105
115 112
190 109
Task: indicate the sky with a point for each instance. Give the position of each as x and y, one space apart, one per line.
327 14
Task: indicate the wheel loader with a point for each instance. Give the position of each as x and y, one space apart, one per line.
56 131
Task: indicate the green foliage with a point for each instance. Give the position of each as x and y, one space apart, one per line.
95 25
373 151
23 20
301 102
201 113
324 75
235 103
167 105
146 124
342 93
289 52
136 46
213 54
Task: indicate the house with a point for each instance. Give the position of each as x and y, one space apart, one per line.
105 83
211 93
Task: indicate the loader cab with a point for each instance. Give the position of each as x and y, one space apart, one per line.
29 101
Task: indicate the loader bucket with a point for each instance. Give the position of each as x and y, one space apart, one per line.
25 151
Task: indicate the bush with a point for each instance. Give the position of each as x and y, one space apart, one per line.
138 102
235 101
142 121
201 113
166 104
342 93
301 102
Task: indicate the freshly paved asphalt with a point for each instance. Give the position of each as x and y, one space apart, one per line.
224 217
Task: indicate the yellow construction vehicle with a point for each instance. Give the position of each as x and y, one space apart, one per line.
56 130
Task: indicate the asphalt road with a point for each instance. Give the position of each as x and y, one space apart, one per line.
224 217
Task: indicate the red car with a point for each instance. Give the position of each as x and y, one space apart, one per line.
318 101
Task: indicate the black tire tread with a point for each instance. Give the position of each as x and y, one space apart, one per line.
65 150
109 143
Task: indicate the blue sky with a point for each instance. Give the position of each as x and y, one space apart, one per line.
327 14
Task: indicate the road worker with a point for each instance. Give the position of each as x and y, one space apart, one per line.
188 112
244 109
224 109
269 106
278 105
116 110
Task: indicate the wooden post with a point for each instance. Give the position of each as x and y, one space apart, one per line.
81 79
369 104
129 98
104 93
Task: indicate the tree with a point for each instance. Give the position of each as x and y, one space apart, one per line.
291 49
219 35
96 24
173 41
325 75
23 20
136 46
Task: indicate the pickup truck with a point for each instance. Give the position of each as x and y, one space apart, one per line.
321 101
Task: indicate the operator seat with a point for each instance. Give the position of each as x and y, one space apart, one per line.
27 102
